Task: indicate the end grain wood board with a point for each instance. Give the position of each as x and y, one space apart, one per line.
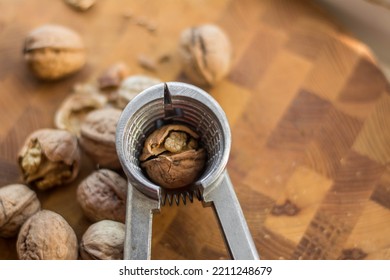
308 107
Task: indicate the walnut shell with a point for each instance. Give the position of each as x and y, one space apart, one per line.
103 240
132 86
97 137
46 236
49 158
54 51
102 195
155 143
80 5
18 202
205 53
76 106
171 156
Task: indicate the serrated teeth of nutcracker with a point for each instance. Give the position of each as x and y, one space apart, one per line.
184 196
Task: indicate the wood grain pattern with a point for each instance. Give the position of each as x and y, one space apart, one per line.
308 106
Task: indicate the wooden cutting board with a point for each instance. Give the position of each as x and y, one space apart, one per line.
308 107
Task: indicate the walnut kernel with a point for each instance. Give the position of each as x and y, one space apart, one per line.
17 203
49 157
54 51
103 240
47 236
102 195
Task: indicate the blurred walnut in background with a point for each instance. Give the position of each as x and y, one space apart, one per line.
205 53
97 137
53 52
84 99
80 5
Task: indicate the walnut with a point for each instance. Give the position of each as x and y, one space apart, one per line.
113 76
132 86
102 195
49 157
46 236
80 5
76 106
205 53
54 51
17 203
103 240
97 137
171 156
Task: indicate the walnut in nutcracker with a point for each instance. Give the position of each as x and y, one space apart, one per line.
205 52
17 203
172 157
49 158
102 195
47 236
103 240
97 137
54 51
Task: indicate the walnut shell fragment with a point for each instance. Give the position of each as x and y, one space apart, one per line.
17 203
76 106
49 158
132 86
205 53
171 156
103 240
47 236
53 52
97 137
102 195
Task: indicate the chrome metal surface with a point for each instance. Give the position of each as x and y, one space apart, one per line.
231 219
139 217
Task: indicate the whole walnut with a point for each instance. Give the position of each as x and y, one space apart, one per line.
47 236
102 196
54 51
103 240
97 137
172 157
18 202
49 158
205 53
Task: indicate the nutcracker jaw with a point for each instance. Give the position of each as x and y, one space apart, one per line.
190 105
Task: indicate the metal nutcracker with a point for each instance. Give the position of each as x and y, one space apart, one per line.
184 103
